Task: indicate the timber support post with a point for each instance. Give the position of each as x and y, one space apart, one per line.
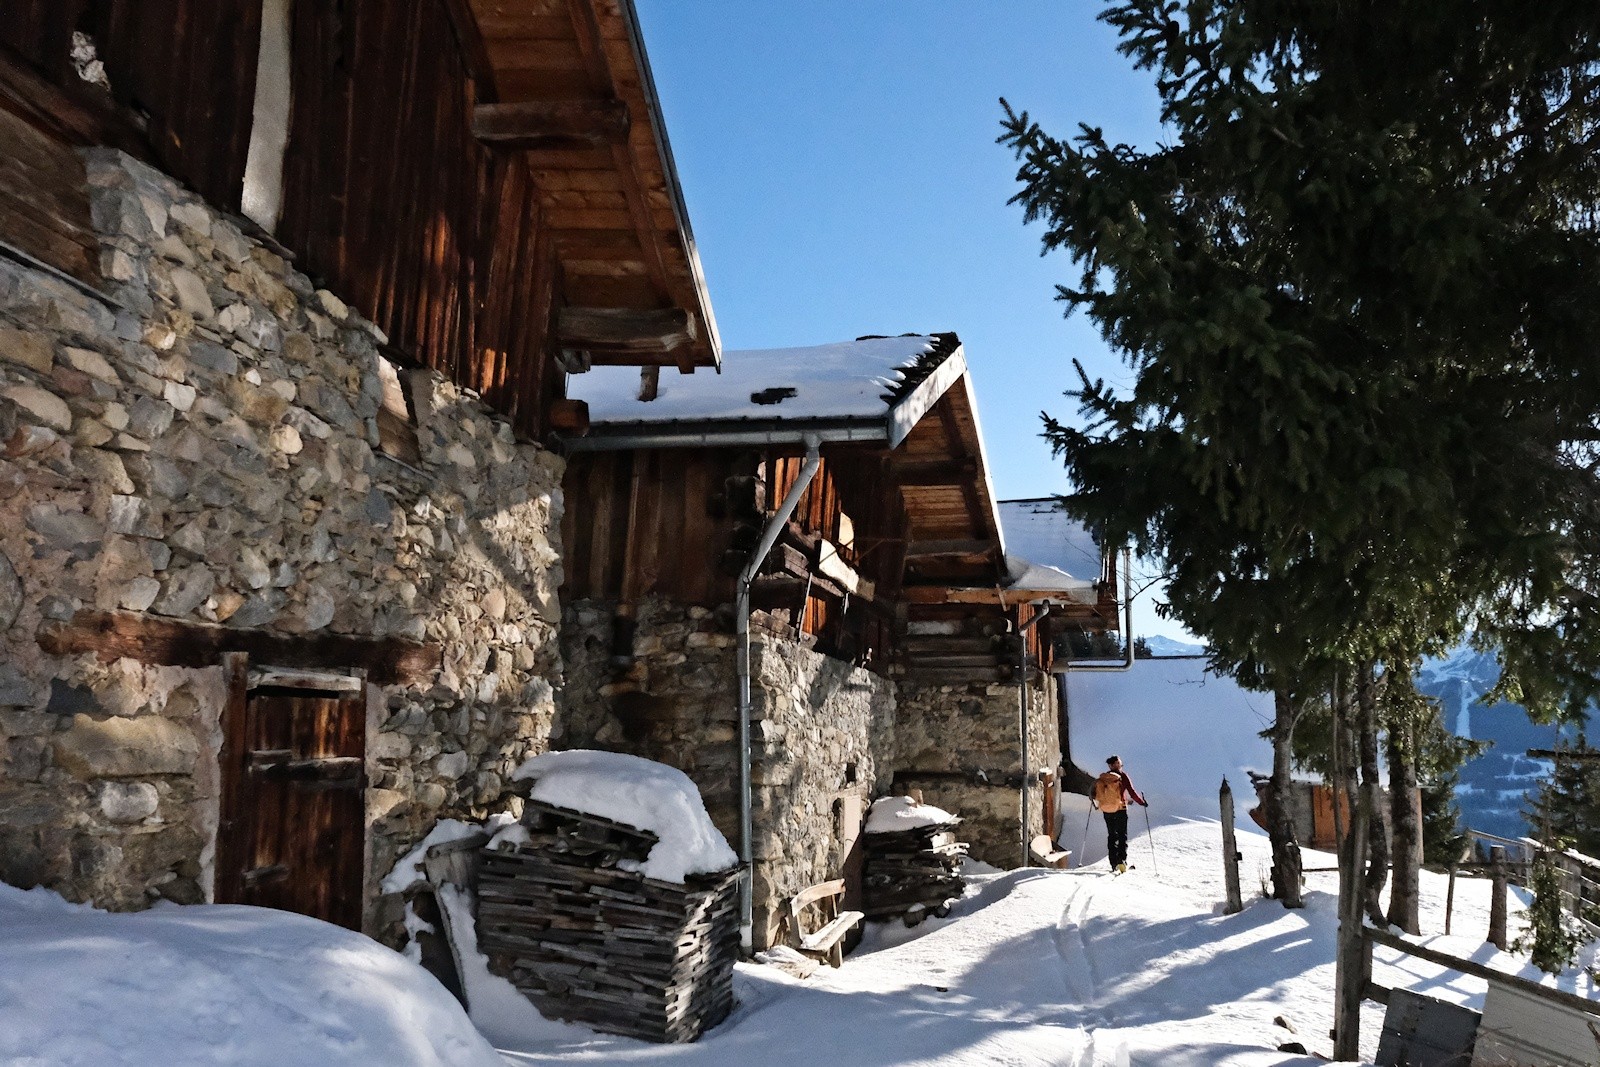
1450 900
1497 898
1230 852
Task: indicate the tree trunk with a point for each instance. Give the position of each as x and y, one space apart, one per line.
1350 956
1376 872
1405 892
1286 866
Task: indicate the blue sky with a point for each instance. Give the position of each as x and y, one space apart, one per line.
839 164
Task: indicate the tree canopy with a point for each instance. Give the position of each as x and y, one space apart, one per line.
1359 289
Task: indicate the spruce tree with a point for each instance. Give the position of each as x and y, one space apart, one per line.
1357 289
1551 936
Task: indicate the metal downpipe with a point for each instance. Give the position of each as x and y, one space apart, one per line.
741 616
1022 722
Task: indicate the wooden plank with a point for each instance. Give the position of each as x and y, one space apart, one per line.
1477 970
44 200
294 678
943 594
938 472
539 124
120 634
625 330
234 842
959 546
569 417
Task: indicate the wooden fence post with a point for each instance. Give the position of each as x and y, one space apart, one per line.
1450 900
1497 901
1230 851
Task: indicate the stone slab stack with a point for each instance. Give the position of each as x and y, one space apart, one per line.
590 942
912 872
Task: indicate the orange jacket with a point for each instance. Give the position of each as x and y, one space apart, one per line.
1113 790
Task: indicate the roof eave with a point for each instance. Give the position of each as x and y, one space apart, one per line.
680 210
727 433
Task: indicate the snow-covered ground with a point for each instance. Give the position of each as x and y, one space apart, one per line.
213 984
1074 967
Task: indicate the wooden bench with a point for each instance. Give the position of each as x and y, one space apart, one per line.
1047 854
826 941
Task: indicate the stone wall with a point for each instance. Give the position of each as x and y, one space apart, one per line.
822 740
200 443
674 701
821 732
959 745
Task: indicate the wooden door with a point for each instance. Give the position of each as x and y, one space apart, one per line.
292 826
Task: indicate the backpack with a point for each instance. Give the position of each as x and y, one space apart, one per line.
1108 791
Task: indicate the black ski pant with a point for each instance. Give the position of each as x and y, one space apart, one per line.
1117 836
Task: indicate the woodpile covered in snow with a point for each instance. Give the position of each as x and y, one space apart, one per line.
575 915
913 861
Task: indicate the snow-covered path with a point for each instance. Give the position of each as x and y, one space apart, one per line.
1033 967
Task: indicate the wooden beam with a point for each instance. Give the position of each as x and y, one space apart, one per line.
116 635
570 417
81 115
917 645
924 661
946 594
941 472
959 675
952 547
538 124
627 331
831 565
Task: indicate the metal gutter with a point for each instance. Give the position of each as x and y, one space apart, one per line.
1127 610
741 615
680 210
743 434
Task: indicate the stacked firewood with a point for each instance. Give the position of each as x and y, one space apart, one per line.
912 872
590 942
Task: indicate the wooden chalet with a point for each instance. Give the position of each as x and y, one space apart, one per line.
893 567
489 183
289 295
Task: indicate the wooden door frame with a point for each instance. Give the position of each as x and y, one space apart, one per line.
231 768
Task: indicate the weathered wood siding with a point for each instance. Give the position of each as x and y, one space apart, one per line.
44 203
188 67
389 200
652 523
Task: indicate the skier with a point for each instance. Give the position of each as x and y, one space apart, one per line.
1112 791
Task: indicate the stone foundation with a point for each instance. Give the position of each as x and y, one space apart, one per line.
821 732
200 443
959 746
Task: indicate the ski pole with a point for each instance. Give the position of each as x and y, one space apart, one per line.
1147 836
1083 846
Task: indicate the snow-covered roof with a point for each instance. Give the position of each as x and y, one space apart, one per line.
1046 549
1042 533
881 385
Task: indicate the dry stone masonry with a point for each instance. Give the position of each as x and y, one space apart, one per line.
959 746
199 442
820 732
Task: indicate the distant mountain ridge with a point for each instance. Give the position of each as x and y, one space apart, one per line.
1167 646
1495 787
